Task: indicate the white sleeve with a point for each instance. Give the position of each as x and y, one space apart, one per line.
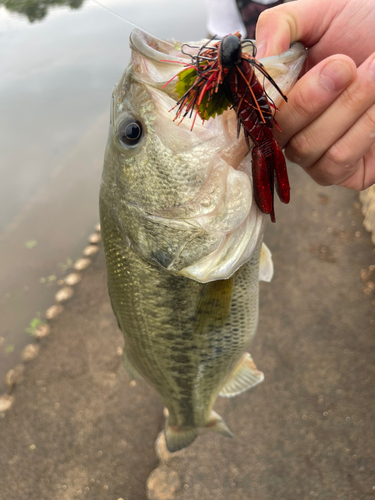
224 18
266 2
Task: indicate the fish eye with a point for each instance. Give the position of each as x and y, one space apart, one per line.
130 132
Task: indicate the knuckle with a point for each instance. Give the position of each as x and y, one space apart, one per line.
370 119
264 17
304 105
337 155
268 18
353 99
318 174
299 146
323 182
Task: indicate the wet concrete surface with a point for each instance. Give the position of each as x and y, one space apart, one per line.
71 432
55 91
79 428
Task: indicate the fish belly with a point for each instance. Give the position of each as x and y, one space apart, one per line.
183 337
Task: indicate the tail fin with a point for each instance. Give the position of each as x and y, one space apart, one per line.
217 424
178 438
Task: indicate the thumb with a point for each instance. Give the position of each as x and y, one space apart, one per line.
305 21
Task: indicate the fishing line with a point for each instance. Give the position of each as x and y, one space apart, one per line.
126 20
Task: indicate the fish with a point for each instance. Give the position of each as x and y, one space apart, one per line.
183 239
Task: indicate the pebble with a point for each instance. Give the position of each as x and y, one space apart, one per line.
165 456
91 250
72 279
15 375
94 238
42 331
369 288
82 264
6 402
97 227
163 483
64 294
30 352
54 311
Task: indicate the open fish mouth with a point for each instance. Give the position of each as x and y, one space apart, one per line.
156 61
224 207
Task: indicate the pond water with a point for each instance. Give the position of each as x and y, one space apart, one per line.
57 74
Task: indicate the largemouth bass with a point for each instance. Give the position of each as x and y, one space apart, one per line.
183 240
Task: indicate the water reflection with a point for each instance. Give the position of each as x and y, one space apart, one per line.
54 107
36 10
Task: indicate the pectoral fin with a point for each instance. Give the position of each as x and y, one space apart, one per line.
245 376
129 367
265 265
214 305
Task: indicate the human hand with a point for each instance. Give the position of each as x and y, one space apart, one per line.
328 126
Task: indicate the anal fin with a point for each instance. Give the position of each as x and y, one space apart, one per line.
245 376
131 370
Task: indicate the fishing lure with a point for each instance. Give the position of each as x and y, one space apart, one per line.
222 75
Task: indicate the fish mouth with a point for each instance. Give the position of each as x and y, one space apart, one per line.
156 62
152 47
224 207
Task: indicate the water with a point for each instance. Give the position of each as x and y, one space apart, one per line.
56 81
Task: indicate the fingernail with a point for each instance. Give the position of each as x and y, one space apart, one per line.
261 50
335 75
371 68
